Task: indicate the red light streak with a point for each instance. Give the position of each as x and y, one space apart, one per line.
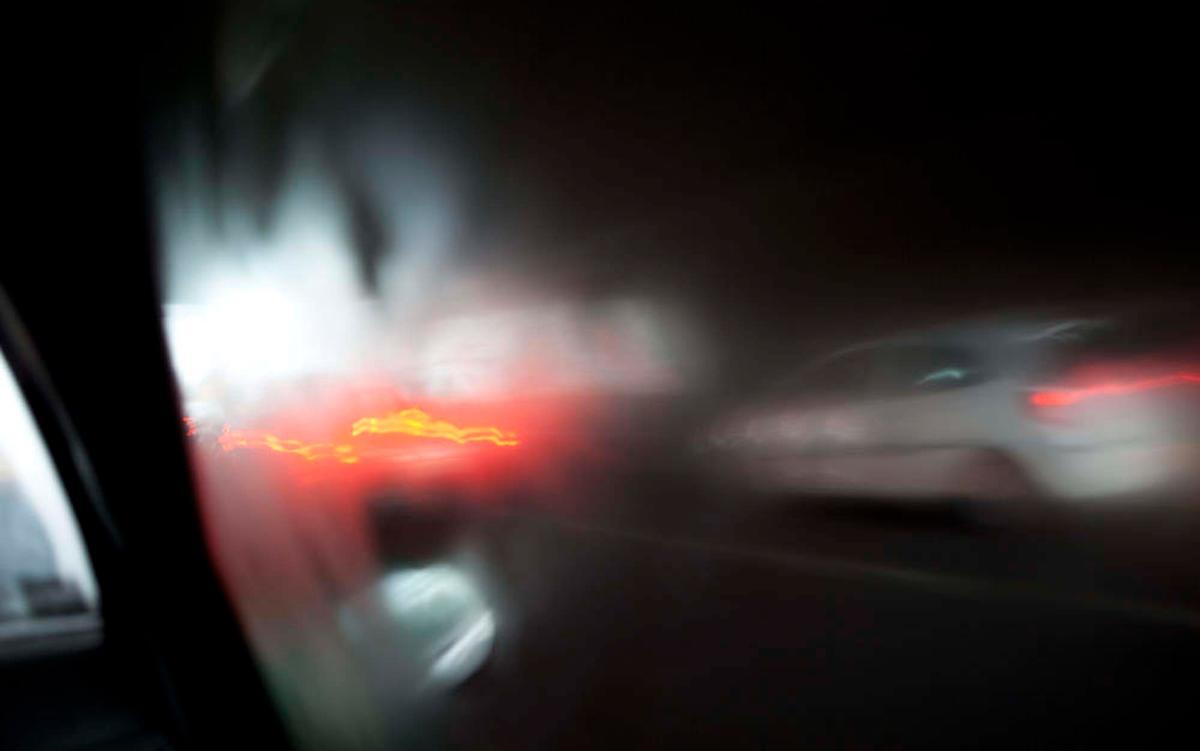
414 422
1067 397
236 439
411 422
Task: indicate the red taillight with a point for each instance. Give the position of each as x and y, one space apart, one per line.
1044 405
1051 398
1063 397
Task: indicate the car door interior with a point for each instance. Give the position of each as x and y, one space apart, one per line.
169 667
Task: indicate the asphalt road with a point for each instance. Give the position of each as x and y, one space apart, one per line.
688 620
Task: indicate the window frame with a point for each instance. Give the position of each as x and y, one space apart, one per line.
56 635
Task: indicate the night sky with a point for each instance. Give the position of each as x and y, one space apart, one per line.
800 178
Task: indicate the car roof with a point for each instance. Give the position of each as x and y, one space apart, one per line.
1007 329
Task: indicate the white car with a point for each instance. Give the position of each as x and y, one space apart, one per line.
1083 408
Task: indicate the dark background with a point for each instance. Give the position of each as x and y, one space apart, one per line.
800 178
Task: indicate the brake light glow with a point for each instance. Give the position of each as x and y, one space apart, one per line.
409 422
414 422
1068 396
235 439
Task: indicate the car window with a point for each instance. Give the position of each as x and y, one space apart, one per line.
46 582
480 324
913 369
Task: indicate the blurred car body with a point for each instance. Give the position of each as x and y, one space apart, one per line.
1069 408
